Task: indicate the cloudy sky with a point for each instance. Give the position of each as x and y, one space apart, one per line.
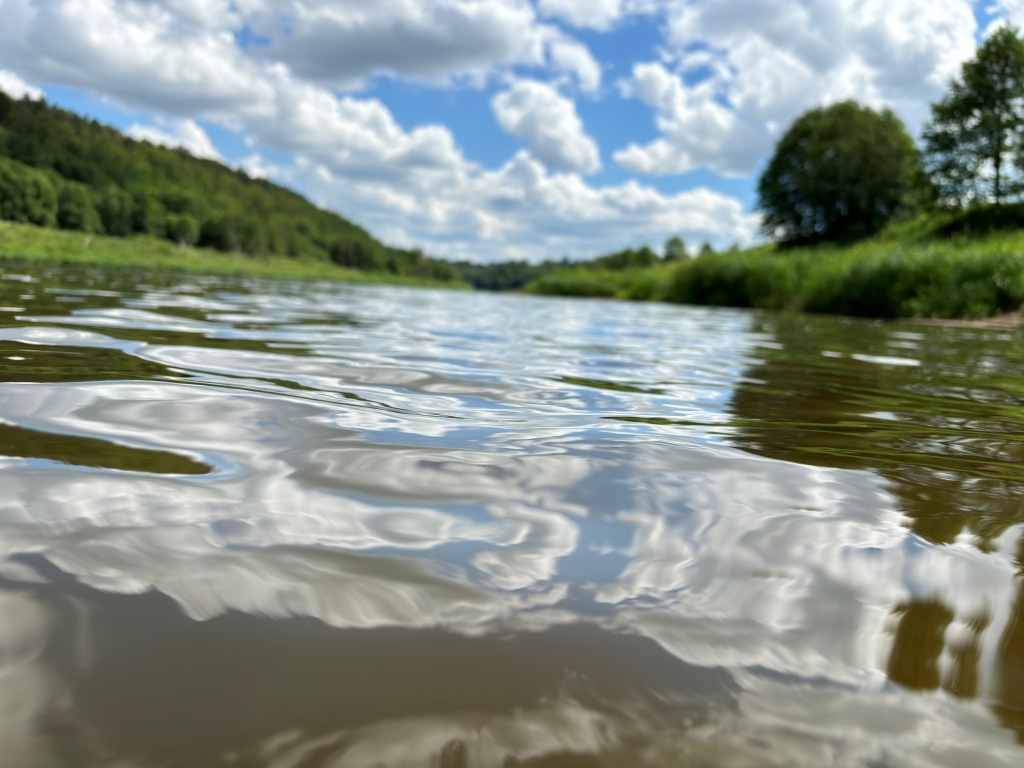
489 129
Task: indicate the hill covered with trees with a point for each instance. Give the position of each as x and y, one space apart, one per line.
58 169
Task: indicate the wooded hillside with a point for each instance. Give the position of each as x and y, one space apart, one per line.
58 169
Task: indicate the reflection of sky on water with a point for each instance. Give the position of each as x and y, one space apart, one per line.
469 468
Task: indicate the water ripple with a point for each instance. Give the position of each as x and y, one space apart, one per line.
255 523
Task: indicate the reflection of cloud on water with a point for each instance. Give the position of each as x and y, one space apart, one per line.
144 685
351 500
27 686
285 478
798 566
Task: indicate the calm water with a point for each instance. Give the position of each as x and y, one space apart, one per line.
271 524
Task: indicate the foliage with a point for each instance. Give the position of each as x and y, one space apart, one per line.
26 195
642 284
914 268
516 275
976 129
506 275
838 174
183 228
627 259
675 249
78 174
76 208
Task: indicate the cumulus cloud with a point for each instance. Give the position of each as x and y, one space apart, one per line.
592 14
17 88
178 134
744 69
343 44
132 51
573 58
697 129
409 185
524 211
548 122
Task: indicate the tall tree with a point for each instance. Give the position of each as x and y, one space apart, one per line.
838 173
976 129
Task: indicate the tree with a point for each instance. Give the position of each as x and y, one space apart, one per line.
76 209
26 195
976 129
182 228
838 173
675 249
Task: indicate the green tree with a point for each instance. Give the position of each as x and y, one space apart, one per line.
838 173
675 249
26 195
182 228
976 129
76 209
116 209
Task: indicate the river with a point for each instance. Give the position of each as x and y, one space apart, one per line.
252 523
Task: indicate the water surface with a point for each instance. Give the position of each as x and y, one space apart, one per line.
288 524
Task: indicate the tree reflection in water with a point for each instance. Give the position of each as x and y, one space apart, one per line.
938 414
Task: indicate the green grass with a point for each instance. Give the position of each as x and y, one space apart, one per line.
646 284
27 243
913 269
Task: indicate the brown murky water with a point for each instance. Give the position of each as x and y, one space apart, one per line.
271 524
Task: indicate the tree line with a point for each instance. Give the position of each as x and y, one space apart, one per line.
842 172
58 169
514 275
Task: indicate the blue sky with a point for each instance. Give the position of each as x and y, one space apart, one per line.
493 129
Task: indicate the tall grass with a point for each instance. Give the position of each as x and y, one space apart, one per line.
899 274
645 284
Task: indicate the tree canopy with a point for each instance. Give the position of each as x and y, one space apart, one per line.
57 168
839 173
975 132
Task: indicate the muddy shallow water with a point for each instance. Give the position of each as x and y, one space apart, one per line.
279 524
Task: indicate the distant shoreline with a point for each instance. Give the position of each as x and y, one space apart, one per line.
29 243
936 267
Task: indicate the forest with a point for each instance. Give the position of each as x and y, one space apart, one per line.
58 169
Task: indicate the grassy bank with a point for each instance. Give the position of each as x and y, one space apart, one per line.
908 271
25 242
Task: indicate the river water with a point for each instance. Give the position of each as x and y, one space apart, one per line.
281 524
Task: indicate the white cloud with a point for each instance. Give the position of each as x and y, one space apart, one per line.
255 166
570 56
697 129
17 88
593 14
343 43
178 134
548 122
410 186
143 55
747 68
523 211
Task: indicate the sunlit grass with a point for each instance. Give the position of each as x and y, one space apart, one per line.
906 272
29 243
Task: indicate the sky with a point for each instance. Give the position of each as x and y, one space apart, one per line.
494 129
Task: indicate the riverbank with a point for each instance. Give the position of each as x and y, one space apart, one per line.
908 271
25 242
